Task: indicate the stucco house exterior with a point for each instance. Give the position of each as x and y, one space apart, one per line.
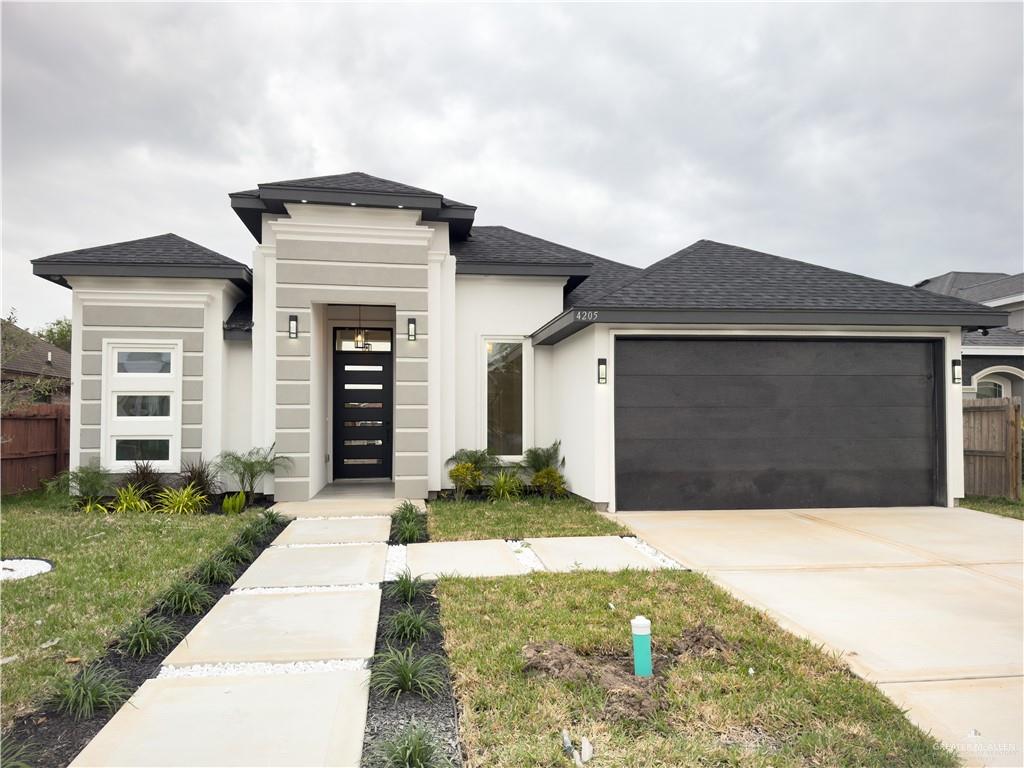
379 330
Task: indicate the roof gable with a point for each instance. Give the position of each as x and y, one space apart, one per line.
355 181
33 356
1000 288
952 282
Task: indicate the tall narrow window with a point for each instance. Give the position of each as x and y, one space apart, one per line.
505 398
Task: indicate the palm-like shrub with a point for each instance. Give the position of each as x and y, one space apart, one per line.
252 466
413 747
88 484
550 483
506 486
130 498
395 672
536 459
466 478
91 690
203 474
486 463
182 501
234 504
147 635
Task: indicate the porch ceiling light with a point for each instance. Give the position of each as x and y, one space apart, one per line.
411 330
957 372
602 370
293 326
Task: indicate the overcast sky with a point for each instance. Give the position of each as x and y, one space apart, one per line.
881 139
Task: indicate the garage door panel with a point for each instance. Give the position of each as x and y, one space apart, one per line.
815 421
759 391
736 357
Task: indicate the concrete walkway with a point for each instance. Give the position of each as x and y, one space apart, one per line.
925 602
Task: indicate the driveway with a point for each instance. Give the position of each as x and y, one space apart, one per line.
925 602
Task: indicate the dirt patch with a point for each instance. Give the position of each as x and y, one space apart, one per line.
628 697
702 641
751 739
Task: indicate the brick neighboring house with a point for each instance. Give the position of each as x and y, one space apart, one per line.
33 370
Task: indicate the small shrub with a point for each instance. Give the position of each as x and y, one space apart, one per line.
182 501
250 467
237 553
410 626
550 483
413 747
466 478
87 486
273 517
233 504
129 499
537 459
144 475
406 509
405 588
203 474
410 531
91 690
216 570
93 507
484 462
147 635
253 534
187 597
506 486
396 672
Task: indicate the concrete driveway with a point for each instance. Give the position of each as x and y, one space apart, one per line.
925 602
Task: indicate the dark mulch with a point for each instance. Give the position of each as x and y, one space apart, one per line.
386 717
52 739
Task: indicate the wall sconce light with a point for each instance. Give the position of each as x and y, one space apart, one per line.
602 370
957 372
411 330
293 326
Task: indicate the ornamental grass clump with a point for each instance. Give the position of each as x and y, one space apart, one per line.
395 672
215 571
413 747
91 690
148 634
237 553
182 501
506 486
408 525
409 626
131 498
187 597
405 587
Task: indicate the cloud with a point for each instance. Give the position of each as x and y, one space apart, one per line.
883 139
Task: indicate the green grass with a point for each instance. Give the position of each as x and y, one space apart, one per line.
109 571
528 517
995 506
809 707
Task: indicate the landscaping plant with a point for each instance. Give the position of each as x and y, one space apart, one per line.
408 525
148 634
233 504
409 626
484 462
144 475
397 672
413 747
549 483
91 690
187 597
216 570
405 587
466 477
203 475
273 517
236 553
182 501
249 468
537 459
506 486
130 498
253 534
88 485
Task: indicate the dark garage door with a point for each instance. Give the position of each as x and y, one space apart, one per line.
775 423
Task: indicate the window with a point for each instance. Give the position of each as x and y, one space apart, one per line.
989 389
142 450
141 406
504 397
144 362
368 340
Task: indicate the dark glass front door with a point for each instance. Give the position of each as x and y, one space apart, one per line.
363 402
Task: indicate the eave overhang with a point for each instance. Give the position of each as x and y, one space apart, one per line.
573 273
576 319
59 271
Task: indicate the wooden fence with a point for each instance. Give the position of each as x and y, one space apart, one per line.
35 445
992 447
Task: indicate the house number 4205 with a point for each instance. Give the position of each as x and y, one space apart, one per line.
590 316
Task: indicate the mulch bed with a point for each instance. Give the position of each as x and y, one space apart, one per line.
52 739
386 717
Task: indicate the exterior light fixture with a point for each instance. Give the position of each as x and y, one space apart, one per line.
602 370
411 329
957 372
351 203
401 206
360 342
293 326
303 201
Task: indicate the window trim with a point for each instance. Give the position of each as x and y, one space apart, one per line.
481 375
114 383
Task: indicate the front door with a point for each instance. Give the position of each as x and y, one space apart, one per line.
363 398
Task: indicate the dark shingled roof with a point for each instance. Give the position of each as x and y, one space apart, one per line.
950 283
1001 288
169 250
29 356
710 275
357 181
997 337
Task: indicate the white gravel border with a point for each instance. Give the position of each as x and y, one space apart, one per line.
261 668
524 554
328 544
396 562
338 517
299 590
661 559
12 569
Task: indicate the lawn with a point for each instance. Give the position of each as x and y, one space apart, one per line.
995 506
529 517
108 570
798 706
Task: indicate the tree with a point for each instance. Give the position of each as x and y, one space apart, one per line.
57 333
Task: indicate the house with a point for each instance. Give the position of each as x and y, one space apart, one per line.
993 358
32 370
379 330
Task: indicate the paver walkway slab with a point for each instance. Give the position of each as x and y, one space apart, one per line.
489 557
283 627
327 566
340 507
335 531
314 719
603 553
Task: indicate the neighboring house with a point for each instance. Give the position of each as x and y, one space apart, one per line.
993 358
32 370
379 330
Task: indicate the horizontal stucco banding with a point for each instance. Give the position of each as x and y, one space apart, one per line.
347 275
303 296
291 442
293 418
293 394
90 414
292 370
410 394
313 250
92 341
293 347
411 418
143 317
192 437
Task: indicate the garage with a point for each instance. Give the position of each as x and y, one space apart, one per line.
759 423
